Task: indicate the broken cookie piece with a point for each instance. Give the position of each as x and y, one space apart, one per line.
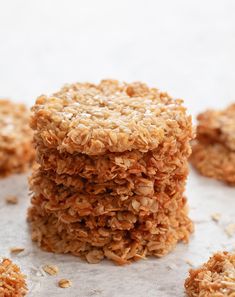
214 278
12 281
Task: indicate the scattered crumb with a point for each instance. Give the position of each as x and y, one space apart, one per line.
37 271
64 283
230 230
189 262
11 199
51 269
216 217
41 271
172 267
16 250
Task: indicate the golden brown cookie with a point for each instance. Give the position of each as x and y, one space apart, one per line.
111 116
218 126
12 281
214 148
16 149
216 278
112 171
214 160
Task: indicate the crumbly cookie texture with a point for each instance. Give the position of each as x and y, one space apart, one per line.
218 126
214 160
118 200
12 281
214 148
16 149
121 226
216 278
111 116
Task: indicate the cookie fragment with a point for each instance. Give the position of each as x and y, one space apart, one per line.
64 283
214 148
230 230
214 278
16 250
12 281
216 217
16 149
50 269
11 199
112 171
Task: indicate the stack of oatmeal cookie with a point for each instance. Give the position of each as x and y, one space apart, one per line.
112 169
214 149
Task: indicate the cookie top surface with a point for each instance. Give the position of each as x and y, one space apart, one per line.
218 126
14 124
214 278
110 116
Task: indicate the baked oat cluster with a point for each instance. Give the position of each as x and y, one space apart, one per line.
16 150
216 278
214 149
112 169
12 281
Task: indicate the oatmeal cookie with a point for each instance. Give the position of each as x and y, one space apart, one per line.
12 281
214 160
214 278
16 149
108 117
214 148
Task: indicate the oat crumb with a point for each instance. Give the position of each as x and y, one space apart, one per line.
16 250
189 262
230 230
216 217
51 269
172 267
11 200
64 283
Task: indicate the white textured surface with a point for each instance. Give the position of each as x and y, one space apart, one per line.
184 47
